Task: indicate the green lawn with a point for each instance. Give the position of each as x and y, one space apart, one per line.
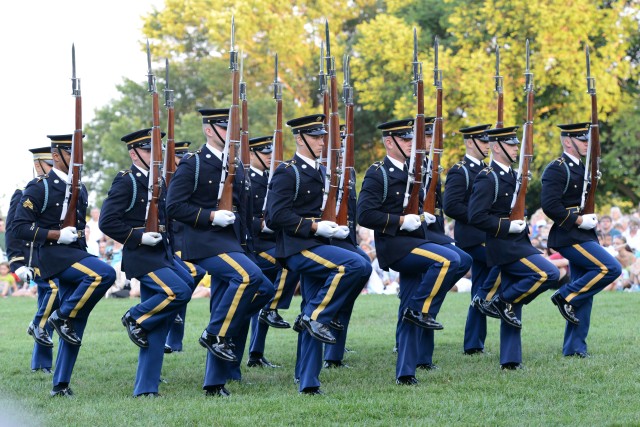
468 390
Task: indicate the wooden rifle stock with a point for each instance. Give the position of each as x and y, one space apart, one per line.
429 205
226 200
589 206
499 90
517 212
170 154
153 219
413 206
329 212
70 218
342 217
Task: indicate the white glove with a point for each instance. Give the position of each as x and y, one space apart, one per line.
342 232
223 218
266 229
326 229
589 221
25 273
428 218
151 239
411 222
68 235
517 226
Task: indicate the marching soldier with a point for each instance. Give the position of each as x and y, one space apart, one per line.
165 287
573 235
23 262
401 244
82 278
238 286
525 273
264 246
328 273
458 188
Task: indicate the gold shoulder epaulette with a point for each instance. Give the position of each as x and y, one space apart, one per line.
460 164
487 170
289 163
41 177
125 172
377 165
560 160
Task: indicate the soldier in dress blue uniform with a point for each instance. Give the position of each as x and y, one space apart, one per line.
458 188
23 262
165 287
328 273
176 330
425 268
238 287
525 273
264 248
573 235
82 278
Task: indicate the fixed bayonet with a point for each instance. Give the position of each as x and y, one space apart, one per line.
150 76
417 66
591 81
330 67
75 82
437 73
498 77
277 87
528 75
243 85
322 77
347 90
233 55
168 93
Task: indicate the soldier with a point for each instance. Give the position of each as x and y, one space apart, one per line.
238 287
148 257
23 262
458 188
573 235
264 247
525 273
328 273
425 268
82 278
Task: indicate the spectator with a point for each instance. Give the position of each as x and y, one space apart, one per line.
616 214
92 244
203 290
561 263
632 235
380 282
365 236
7 280
28 289
606 226
96 233
3 246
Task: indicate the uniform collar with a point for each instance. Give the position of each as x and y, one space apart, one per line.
400 165
214 150
308 161
576 161
258 171
473 159
144 172
63 176
503 167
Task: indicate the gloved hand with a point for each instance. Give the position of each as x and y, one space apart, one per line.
517 226
25 273
151 238
411 222
428 218
326 229
223 218
589 221
266 229
342 232
68 235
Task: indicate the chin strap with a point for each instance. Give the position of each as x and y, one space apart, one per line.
478 148
398 146
66 165
261 161
140 158
308 148
505 152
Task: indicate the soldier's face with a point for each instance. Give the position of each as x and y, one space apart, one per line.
316 143
428 139
581 145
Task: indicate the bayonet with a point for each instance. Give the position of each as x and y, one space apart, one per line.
498 77
168 93
327 38
75 82
347 90
437 74
277 87
233 55
417 66
322 80
528 86
591 81
150 76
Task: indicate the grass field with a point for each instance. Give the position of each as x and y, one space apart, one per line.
467 390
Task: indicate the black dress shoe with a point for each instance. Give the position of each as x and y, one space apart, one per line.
297 325
218 346
511 366
260 362
312 391
423 320
65 392
472 351
150 395
428 366
318 330
506 312
581 355
485 307
217 391
137 335
167 349
407 380
64 328
43 370
178 320
335 324
566 310
335 364
273 319
40 335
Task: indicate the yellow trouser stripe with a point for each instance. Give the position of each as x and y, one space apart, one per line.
268 257
97 279
541 280
443 272
603 271
192 269
236 298
170 297
283 279
334 283
495 288
52 299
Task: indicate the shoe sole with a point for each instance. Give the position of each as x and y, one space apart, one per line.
318 337
219 355
423 326
273 325
562 312
131 337
48 344
506 319
63 337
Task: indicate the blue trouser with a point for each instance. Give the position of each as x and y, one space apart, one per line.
408 335
80 287
309 349
592 269
176 330
335 352
162 293
521 282
285 283
48 302
475 330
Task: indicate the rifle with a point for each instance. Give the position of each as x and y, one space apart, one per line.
227 177
342 217
170 155
435 153
329 198
245 157
155 179
322 79
418 145
276 157
499 81
591 173
526 149
74 181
